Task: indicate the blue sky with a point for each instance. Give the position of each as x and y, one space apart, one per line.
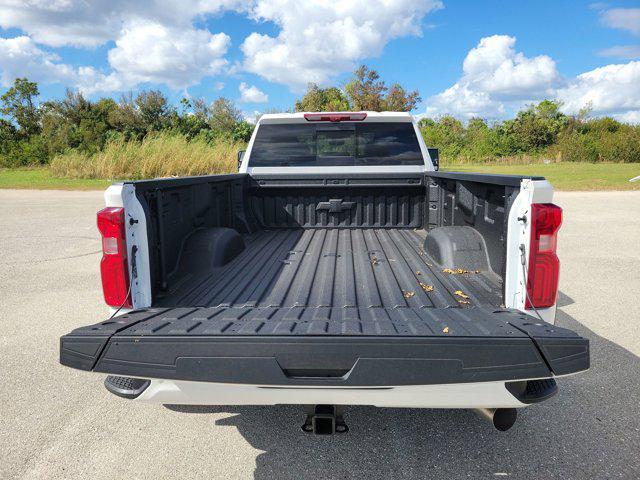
468 58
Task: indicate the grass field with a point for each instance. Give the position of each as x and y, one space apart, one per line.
568 176
563 176
42 179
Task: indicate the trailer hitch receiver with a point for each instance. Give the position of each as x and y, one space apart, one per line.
324 420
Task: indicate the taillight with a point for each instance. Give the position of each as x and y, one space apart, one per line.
544 266
335 117
113 266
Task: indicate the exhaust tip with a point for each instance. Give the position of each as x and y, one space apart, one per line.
501 418
504 418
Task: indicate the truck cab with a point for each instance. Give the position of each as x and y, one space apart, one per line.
337 267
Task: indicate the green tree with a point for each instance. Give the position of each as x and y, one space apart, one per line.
242 131
399 100
154 110
534 128
126 118
193 119
19 104
76 122
8 132
223 117
322 100
8 141
365 90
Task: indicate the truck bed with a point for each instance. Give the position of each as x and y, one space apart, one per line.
335 269
333 287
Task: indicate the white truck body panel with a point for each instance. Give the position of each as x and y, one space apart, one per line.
519 233
123 195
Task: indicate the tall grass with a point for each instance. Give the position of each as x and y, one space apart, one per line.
159 155
522 159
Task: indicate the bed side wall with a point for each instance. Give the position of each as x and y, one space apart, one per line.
481 202
176 208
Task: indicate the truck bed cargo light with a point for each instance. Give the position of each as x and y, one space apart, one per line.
335 117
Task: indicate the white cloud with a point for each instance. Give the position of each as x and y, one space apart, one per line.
495 67
90 23
494 76
497 81
145 53
151 52
461 100
21 57
218 85
626 52
612 89
320 39
623 19
62 22
157 41
629 117
251 94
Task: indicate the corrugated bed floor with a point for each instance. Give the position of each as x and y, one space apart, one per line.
338 268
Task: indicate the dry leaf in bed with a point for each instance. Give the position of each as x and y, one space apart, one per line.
445 330
426 288
464 302
460 293
409 294
455 271
418 272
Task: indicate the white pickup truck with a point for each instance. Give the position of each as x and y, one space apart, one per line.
338 267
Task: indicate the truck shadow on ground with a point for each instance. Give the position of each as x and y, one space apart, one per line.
578 432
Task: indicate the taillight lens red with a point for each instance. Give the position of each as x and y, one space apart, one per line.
335 117
113 266
544 266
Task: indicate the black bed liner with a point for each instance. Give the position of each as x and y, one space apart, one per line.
341 269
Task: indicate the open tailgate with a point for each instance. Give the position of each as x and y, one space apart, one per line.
326 346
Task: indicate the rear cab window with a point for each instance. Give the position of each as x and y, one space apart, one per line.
340 144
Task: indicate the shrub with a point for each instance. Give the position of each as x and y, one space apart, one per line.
600 140
30 152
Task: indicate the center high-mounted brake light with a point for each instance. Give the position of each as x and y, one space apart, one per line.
114 266
335 117
544 266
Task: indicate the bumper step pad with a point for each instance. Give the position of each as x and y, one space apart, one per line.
126 387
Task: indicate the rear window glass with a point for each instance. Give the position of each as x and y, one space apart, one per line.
340 144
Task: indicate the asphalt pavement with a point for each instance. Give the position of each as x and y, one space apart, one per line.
60 423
